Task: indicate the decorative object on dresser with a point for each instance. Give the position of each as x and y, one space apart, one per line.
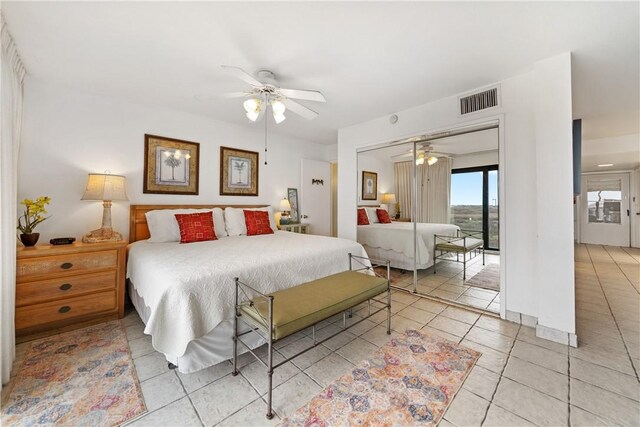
105 187
60 288
369 185
171 166
238 172
292 195
62 240
296 228
285 208
32 217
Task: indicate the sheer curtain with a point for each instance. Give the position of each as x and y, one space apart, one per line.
11 96
434 189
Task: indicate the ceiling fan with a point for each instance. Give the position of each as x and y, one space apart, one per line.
265 92
426 154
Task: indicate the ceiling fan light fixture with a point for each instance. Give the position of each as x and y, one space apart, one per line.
278 107
432 160
420 159
252 105
279 118
253 115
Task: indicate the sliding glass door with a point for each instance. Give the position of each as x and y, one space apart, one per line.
474 202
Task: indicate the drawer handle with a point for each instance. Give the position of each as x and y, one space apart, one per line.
65 286
64 309
66 265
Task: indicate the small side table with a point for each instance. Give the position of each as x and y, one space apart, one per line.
295 228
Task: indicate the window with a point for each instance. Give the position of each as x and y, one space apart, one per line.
475 203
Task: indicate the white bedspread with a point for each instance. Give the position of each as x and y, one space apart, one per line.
189 288
398 237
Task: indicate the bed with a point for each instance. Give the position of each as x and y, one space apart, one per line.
395 241
184 293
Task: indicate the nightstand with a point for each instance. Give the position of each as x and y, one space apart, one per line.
295 228
59 288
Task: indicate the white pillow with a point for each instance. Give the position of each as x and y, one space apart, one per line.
163 225
372 215
235 223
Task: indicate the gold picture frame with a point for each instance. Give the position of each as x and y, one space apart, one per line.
171 166
238 172
369 185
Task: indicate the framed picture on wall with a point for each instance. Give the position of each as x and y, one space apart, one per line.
369 185
238 172
171 166
292 195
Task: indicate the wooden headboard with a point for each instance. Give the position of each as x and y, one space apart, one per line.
138 228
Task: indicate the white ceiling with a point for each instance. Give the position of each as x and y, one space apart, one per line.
369 59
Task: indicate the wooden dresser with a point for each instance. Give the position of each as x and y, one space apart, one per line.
59 288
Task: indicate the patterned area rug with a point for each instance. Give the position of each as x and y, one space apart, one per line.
84 377
409 381
488 278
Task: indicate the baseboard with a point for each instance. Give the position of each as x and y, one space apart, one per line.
557 335
522 319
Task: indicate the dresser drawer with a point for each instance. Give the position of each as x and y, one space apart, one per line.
63 287
63 310
33 267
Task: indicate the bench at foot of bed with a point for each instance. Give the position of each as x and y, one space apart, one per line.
283 313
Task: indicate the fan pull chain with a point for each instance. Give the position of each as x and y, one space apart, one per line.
266 119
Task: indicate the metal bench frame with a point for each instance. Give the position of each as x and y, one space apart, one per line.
241 289
440 242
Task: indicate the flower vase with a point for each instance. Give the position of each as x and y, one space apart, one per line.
29 239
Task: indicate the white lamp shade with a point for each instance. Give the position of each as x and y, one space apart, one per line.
432 160
389 198
251 105
278 107
285 205
101 186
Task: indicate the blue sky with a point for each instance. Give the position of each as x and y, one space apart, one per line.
466 188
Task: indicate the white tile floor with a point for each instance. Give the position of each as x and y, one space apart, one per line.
447 283
519 380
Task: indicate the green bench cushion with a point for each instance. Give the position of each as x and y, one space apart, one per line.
460 245
304 305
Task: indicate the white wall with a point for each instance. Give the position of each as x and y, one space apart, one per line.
482 158
519 185
68 134
386 177
554 194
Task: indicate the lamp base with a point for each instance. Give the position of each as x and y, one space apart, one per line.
102 235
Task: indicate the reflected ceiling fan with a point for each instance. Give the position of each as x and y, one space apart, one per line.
427 154
265 92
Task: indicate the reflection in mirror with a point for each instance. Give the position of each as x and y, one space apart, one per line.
441 228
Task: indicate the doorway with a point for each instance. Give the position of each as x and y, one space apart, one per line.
604 211
475 202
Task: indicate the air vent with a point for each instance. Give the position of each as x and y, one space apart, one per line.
479 101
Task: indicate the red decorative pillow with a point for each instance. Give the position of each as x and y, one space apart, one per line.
196 227
383 216
362 217
257 222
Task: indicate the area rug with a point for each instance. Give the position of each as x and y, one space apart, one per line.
396 274
487 278
409 381
84 377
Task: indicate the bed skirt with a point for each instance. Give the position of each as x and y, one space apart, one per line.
397 259
209 350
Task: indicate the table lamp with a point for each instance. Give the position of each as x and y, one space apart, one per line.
389 199
285 207
105 187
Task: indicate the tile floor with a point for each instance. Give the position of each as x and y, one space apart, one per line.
520 380
447 283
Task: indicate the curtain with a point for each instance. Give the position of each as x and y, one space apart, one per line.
11 98
404 187
434 189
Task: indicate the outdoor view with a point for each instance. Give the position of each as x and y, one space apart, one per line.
466 203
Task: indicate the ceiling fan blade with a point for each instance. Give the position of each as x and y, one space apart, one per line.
242 75
299 109
209 97
308 95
